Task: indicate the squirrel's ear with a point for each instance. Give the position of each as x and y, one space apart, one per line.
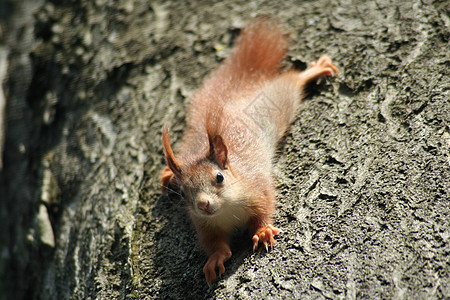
172 163
218 151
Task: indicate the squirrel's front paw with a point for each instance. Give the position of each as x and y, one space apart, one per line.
265 236
215 260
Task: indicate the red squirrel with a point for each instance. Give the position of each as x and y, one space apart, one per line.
223 166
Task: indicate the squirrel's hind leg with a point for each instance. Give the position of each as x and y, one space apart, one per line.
323 67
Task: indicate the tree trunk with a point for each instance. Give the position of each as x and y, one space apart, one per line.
363 175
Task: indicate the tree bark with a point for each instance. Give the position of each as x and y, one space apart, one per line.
363 174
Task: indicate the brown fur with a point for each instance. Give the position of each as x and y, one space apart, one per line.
225 136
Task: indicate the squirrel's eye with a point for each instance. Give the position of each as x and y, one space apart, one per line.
219 177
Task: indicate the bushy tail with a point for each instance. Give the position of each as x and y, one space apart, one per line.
256 57
258 52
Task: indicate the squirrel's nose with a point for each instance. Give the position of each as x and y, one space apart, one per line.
203 204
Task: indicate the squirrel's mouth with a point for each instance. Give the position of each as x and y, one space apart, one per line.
207 212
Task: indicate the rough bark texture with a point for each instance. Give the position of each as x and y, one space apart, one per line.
363 175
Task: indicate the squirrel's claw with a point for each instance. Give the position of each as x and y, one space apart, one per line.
265 235
216 260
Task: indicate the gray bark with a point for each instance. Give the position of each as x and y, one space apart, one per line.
363 175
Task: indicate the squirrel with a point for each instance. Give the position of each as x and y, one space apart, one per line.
223 166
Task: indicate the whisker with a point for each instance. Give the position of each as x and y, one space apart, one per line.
172 190
224 189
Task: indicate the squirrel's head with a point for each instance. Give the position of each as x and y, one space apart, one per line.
207 183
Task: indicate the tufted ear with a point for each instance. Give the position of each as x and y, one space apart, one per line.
172 163
218 151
